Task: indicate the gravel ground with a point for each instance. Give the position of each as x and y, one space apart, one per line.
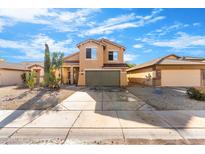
105 142
12 98
166 98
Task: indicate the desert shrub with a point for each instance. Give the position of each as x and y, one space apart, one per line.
196 94
30 79
42 84
23 77
51 81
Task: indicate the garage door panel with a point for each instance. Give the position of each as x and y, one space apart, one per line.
185 78
10 77
103 78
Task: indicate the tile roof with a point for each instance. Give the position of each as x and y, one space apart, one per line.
179 62
30 63
165 61
116 65
13 66
101 42
147 64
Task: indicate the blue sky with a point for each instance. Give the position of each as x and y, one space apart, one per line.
146 33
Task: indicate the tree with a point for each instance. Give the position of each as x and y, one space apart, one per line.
30 79
130 65
47 63
57 62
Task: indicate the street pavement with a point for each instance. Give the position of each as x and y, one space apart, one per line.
102 116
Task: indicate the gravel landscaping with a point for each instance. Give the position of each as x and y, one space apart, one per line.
13 98
166 98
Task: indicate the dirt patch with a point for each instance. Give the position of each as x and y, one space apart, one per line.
166 98
12 98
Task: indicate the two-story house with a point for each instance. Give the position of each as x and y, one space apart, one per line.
98 63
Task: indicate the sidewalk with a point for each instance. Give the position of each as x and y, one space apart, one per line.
102 127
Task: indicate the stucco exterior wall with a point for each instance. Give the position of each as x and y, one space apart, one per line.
111 47
41 71
185 78
10 77
123 79
141 76
98 63
89 63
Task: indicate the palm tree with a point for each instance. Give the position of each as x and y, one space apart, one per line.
57 62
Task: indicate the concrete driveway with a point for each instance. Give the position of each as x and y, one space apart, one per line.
104 116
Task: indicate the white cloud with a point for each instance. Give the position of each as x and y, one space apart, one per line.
148 51
33 49
183 40
138 46
1 25
197 24
53 18
167 29
123 22
129 57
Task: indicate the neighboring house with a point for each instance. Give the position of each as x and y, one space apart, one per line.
10 73
170 70
37 67
98 63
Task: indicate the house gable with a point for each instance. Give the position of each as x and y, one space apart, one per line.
73 57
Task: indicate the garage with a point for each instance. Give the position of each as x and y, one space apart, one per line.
10 73
102 78
184 78
10 77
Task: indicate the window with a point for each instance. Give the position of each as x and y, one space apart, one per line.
113 55
90 53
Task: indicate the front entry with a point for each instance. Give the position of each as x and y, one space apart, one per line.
102 78
72 75
75 75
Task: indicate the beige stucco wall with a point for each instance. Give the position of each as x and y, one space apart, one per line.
36 67
139 76
89 63
123 79
101 58
184 78
111 47
10 77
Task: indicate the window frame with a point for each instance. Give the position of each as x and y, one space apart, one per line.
113 57
91 53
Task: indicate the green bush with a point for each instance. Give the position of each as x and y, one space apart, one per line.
51 81
196 94
30 79
23 77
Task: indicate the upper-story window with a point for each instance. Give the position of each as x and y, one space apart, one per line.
113 55
90 53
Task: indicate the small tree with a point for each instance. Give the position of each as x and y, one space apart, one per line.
57 62
51 64
130 65
30 79
47 63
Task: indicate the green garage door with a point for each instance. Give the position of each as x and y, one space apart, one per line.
102 78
